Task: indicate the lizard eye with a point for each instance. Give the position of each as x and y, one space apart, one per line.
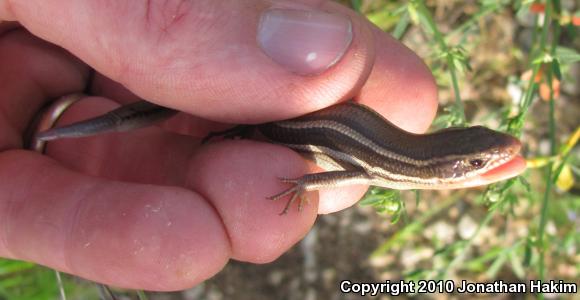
476 163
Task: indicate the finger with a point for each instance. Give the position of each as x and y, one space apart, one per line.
402 89
102 230
235 177
106 231
224 60
123 234
239 176
400 86
28 80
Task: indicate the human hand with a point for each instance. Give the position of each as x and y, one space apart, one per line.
153 209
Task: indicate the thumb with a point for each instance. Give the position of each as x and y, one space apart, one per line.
227 60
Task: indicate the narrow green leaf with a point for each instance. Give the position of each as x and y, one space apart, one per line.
567 55
401 26
356 5
371 200
516 265
496 265
528 253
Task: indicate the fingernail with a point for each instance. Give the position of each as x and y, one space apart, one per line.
304 42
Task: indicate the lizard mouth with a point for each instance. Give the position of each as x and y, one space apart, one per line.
509 169
510 166
506 164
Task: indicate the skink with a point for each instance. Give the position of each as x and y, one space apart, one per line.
353 143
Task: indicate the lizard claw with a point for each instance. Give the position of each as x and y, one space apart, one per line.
297 191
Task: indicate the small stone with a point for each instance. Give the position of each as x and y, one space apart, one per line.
467 227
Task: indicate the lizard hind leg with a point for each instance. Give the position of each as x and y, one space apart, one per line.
317 181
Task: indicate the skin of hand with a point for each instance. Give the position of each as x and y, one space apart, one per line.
153 209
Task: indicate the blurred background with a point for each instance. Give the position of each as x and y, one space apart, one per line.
509 65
